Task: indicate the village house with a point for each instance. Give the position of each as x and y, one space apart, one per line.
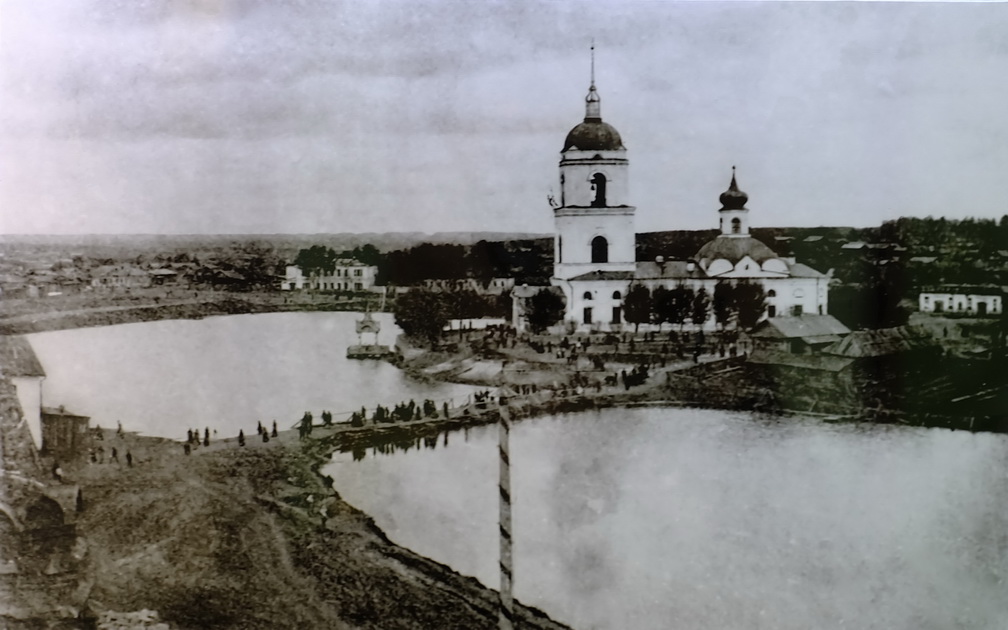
120 277
493 286
964 299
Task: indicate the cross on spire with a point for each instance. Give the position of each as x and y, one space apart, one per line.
593 62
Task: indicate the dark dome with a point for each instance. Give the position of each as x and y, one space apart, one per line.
733 248
733 198
593 135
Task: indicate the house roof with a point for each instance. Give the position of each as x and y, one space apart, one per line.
881 342
17 357
813 328
964 289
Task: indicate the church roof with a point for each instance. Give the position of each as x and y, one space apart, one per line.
593 135
669 269
734 249
604 275
799 270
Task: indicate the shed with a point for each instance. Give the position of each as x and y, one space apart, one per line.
802 334
64 435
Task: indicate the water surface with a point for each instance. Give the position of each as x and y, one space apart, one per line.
225 373
680 518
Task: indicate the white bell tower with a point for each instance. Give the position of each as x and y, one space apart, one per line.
594 223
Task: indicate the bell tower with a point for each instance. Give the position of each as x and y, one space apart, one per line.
594 223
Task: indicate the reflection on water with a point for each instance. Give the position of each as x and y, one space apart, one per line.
226 373
678 518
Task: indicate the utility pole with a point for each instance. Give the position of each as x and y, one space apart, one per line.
506 618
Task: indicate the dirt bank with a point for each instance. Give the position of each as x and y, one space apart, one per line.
253 537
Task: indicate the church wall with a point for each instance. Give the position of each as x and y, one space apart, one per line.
576 231
601 302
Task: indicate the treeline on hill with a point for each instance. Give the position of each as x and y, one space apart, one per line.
528 261
319 258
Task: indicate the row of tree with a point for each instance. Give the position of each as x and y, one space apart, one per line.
742 303
423 313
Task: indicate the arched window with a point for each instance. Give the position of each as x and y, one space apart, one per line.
616 295
600 250
736 225
771 293
587 295
599 186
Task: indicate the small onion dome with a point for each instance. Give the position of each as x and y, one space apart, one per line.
733 198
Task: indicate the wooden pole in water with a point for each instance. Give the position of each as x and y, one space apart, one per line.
506 618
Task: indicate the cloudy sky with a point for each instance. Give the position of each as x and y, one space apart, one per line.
234 116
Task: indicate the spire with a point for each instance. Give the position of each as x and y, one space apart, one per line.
593 112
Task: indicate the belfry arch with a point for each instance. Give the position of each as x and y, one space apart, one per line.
598 182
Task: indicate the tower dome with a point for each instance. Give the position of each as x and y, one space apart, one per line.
593 134
733 198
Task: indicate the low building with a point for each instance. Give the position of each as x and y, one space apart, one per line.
806 334
293 280
120 277
161 277
347 275
971 300
493 286
64 435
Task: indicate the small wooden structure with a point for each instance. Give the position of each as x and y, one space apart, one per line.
368 325
64 435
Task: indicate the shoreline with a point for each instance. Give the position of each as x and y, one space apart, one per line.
347 572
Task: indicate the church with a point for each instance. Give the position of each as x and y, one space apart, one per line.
594 249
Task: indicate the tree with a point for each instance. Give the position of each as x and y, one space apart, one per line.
421 313
700 308
661 305
749 302
724 302
681 304
637 306
544 309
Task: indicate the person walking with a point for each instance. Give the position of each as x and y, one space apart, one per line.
129 459
241 438
115 455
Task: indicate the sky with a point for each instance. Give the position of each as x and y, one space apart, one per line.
292 116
